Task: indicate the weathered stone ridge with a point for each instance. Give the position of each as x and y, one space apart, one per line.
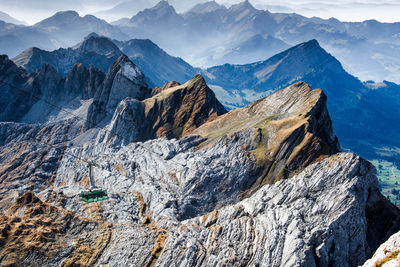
174 112
189 184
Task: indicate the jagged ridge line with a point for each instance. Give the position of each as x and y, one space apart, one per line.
104 129
93 125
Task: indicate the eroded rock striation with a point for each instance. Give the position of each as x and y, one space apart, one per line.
173 112
292 129
124 79
189 184
317 218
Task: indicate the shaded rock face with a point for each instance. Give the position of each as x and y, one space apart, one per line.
98 51
124 79
10 100
379 209
292 128
25 96
215 192
178 110
175 111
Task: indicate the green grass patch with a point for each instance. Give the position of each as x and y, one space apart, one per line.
389 180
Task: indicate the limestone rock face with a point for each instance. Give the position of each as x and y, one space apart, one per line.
293 130
317 218
39 96
127 123
123 80
188 184
172 113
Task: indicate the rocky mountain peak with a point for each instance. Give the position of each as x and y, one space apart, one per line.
166 86
67 13
206 7
98 44
129 69
311 45
163 5
124 79
174 112
161 11
59 18
296 115
242 6
7 18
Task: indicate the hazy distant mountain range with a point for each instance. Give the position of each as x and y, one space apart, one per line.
101 52
352 103
214 34
211 34
7 18
366 49
362 122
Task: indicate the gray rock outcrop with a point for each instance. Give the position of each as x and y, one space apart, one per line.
264 185
124 79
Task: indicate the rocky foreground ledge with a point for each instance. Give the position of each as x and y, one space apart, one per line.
387 255
188 183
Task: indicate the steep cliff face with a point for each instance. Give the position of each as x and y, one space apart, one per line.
37 97
261 186
124 79
10 100
175 111
292 128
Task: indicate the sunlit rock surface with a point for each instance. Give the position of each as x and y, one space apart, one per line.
188 184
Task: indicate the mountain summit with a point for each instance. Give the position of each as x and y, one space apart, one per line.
206 7
97 51
351 103
70 28
268 171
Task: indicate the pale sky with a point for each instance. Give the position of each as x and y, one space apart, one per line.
33 11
